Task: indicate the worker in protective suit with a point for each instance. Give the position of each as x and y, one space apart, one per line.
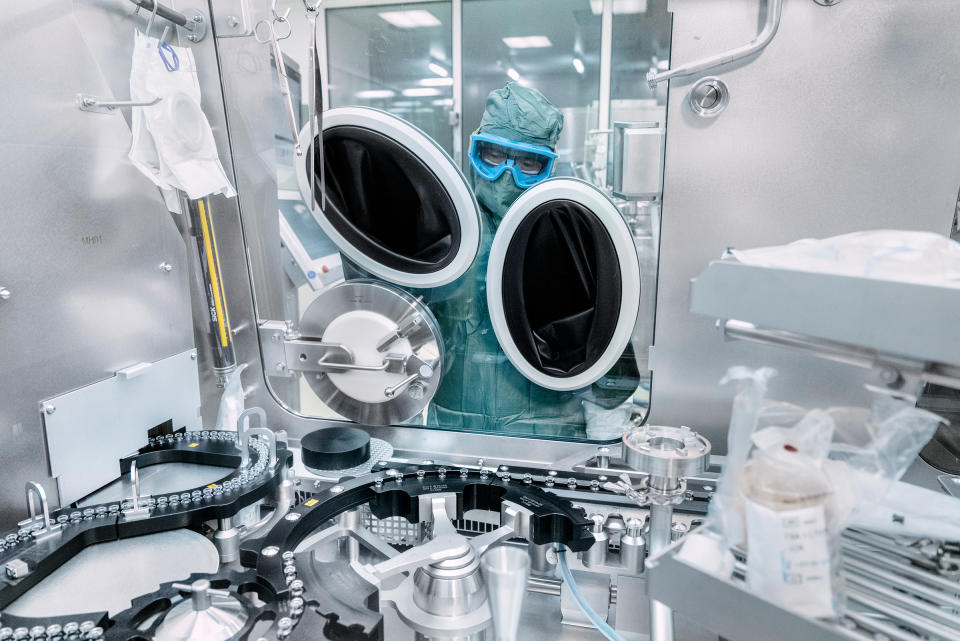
513 149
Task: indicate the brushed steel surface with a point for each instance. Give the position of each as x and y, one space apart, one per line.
95 426
107 576
845 122
83 231
163 478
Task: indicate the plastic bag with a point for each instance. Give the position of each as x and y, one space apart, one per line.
172 142
604 424
795 478
911 256
231 401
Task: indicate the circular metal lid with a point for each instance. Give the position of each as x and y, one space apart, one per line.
671 452
374 321
335 448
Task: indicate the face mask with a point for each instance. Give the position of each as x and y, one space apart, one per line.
496 196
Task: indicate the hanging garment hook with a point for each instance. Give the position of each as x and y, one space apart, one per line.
153 16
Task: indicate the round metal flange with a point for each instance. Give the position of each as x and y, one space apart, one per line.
669 452
359 315
708 97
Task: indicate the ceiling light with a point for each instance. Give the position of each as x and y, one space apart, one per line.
443 102
527 42
620 6
440 70
410 19
513 73
436 82
419 92
578 65
376 93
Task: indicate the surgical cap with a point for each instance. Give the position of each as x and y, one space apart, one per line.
522 114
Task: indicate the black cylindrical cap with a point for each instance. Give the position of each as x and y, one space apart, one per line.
335 448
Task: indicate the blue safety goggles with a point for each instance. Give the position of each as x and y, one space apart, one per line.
492 155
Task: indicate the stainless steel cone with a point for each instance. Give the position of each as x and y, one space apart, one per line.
505 571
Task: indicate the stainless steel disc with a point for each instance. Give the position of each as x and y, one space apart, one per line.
669 452
374 320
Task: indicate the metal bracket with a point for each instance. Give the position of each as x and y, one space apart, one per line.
191 20
289 352
42 519
99 106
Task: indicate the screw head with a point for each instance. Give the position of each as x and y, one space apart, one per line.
4 293
49 408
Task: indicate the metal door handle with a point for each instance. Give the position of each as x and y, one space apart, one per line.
770 26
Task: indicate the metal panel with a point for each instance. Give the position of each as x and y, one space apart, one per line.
720 605
847 309
90 429
637 160
847 121
84 234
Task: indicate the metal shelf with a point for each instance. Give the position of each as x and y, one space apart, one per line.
863 317
921 606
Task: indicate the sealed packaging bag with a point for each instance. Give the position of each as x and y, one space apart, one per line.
795 478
